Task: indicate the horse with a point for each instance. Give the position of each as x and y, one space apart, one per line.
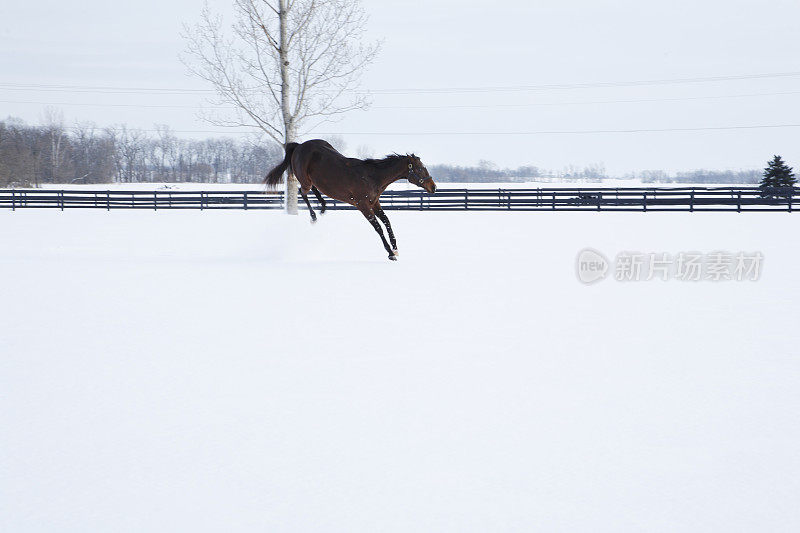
320 168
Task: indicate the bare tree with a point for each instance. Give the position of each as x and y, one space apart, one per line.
56 134
338 142
129 153
92 154
282 64
365 151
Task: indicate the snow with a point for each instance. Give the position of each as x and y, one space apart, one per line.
401 185
247 371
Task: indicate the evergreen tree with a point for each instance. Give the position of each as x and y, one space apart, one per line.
777 175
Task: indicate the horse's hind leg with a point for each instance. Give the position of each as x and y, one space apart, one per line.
370 216
320 198
305 186
303 192
382 215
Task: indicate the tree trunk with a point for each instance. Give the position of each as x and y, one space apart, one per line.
290 193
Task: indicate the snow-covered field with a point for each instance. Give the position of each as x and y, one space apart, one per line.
247 371
398 185
546 183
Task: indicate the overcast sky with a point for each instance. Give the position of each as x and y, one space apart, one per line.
510 49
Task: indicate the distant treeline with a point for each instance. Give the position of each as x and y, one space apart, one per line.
742 177
52 153
486 171
33 155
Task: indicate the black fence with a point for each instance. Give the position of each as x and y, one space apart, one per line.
552 199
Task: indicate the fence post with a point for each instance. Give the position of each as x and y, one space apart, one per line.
644 201
599 199
554 199
201 200
61 199
466 198
13 201
691 201
789 199
245 200
108 200
739 202
155 200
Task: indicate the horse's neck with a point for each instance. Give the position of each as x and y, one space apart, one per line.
387 176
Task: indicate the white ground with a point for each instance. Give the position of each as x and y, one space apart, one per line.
401 185
545 183
246 371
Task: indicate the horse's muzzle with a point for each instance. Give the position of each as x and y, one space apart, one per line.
430 187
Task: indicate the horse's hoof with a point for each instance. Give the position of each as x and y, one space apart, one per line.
392 258
314 220
396 253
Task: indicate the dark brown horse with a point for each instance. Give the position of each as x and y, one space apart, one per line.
359 182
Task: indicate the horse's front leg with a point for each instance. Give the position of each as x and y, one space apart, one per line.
382 215
369 214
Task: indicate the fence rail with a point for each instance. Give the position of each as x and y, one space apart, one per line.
550 199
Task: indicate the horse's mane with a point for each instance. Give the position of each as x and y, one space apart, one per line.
389 160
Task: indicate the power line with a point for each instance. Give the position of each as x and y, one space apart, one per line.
555 86
567 132
634 83
455 106
490 133
87 104
97 88
165 92
593 102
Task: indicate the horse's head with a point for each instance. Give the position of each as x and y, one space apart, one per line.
418 174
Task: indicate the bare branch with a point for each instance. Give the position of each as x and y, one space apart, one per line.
281 62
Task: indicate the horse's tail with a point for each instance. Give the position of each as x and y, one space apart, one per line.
275 176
